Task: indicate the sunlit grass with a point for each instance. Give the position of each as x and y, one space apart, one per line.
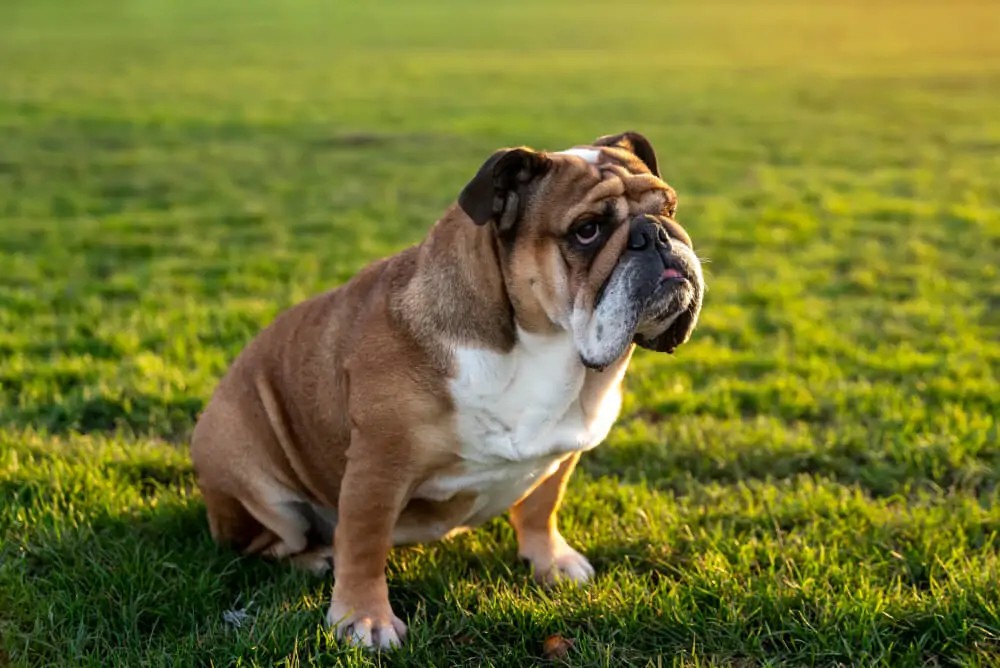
812 480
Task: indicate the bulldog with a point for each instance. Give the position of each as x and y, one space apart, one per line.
453 381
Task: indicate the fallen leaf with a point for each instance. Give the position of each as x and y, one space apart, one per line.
556 647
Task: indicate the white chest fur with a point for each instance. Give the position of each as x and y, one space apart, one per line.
518 414
525 404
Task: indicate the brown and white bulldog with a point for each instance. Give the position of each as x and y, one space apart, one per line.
455 380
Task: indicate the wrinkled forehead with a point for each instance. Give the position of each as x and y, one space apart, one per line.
605 175
603 157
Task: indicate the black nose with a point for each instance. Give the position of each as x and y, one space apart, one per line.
644 231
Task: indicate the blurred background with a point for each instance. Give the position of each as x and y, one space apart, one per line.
173 174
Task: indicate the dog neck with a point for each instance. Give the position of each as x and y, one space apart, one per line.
457 290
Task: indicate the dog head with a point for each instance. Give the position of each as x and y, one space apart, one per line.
588 244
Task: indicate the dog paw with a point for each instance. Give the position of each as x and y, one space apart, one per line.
315 562
376 628
558 562
569 566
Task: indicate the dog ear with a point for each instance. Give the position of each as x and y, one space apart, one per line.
677 333
498 190
634 143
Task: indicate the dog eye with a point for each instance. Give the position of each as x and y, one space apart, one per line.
588 232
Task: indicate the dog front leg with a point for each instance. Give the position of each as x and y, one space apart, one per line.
538 537
372 494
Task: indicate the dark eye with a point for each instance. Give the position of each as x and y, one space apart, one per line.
587 233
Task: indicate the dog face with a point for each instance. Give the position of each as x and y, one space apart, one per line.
589 245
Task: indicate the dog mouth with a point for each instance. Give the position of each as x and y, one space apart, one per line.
673 293
672 275
642 297
675 277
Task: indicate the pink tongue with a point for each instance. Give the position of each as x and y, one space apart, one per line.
671 273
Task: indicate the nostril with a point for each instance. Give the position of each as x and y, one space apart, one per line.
637 239
662 238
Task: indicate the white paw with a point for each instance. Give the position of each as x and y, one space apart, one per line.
373 629
558 562
571 566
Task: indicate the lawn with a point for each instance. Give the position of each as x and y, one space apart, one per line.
813 480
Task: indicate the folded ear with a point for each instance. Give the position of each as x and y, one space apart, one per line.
634 143
677 333
498 190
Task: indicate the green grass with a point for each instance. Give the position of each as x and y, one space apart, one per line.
813 480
